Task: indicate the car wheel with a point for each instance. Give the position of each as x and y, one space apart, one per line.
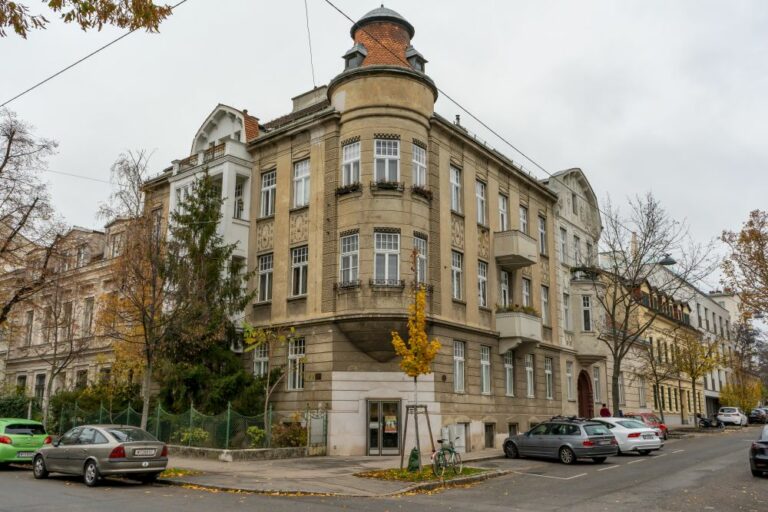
599 460
148 478
567 456
756 472
91 474
39 470
666 435
644 452
510 450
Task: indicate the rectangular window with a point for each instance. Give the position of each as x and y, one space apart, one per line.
586 312
387 160
530 388
564 245
386 259
301 183
503 213
542 235
300 270
81 256
589 253
266 265
480 202
458 366
21 383
419 167
296 353
575 203
485 369
482 284
81 379
621 388
504 288
596 384
545 305
116 245
239 206
28 327
268 191
457 274
527 301
260 360
88 316
569 379
509 373
524 219
350 167
39 386
566 312
641 390
66 329
577 250
420 246
548 378
349 259
455 189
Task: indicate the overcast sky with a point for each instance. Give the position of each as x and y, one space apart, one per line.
642 95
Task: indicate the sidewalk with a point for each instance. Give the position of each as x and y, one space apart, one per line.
308 475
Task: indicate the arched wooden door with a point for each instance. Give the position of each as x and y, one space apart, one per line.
586 398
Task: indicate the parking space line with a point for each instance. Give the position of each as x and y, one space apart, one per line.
660 455
609 467
636 461
678 451
550 476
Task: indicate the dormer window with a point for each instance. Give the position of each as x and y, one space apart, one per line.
355 56
415 59
82 256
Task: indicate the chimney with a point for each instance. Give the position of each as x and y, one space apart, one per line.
633 245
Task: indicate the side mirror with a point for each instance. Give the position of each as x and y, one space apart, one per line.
56 442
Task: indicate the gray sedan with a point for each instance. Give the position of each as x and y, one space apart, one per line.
94 451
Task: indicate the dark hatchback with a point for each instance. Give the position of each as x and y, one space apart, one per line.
758 415
758 454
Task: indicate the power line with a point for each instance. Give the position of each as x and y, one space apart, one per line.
38 84
80 176
309 39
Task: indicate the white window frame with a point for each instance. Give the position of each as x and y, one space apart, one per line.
524 219
545 314
526 289
641 391
504 288
386 245
268 193
459 354
29 323
530 382
455 178
542 234
586 313
597 384
485 370
266 268
566 311
260 360
549 378
577 250
569 379
503 212
349 259
419 166
239 204
421 248
457 275
480 201
386 152
482 284
296 352
509 373
350 166
301 183
299 270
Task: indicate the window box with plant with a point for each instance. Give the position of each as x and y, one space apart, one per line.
423 191
517 308
348 189
387 185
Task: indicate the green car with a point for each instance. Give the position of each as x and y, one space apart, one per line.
20 438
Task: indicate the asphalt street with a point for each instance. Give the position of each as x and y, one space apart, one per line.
704 473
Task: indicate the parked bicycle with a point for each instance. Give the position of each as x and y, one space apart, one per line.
446 457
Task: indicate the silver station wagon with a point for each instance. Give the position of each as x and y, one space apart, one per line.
566 439
94 451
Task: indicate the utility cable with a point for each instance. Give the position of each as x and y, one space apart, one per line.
309 39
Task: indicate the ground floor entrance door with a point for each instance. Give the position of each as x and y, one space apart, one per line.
586 400
384 427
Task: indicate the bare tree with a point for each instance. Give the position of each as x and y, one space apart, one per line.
656 365
695 357
635 249
29 231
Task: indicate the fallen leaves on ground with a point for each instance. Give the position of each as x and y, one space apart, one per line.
425 475
177 472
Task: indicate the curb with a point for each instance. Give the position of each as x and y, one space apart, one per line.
423 486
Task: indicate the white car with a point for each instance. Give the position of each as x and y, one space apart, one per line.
633 435
732 416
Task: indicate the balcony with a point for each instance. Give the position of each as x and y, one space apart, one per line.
517 328
514 250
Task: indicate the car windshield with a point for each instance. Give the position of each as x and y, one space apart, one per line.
127 434
21 428
631 424
597 430
728 409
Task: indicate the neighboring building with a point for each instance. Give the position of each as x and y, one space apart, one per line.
64 313
360 176
584 370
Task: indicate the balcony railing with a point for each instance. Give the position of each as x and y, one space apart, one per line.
214 152
514 249
516 328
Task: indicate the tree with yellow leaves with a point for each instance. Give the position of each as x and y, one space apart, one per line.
418 352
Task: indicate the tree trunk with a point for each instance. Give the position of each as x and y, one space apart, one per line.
657 393
146 389
615 389
416 416
46 405
693 391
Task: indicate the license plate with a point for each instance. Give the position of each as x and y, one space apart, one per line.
24 454
144 453
648 436
603 442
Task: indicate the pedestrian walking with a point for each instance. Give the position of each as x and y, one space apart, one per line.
605 412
